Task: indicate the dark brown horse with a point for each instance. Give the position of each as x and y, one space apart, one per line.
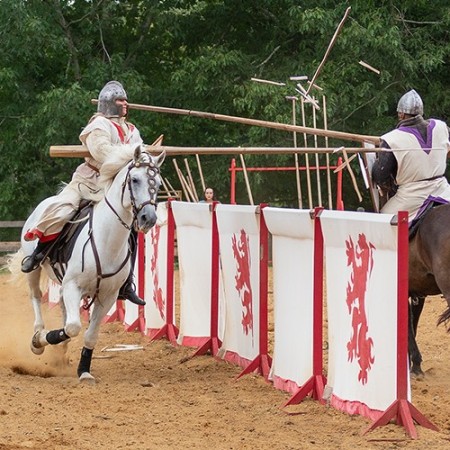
429 272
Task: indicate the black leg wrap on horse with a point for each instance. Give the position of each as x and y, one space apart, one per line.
85 361
56 336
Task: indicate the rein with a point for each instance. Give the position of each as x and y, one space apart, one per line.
152 173
98 265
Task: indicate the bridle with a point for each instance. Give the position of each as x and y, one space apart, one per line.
152 173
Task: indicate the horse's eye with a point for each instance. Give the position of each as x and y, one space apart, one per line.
135 180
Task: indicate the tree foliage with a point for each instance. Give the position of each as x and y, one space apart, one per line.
201 55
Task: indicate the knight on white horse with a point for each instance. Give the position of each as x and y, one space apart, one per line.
99 262
107 133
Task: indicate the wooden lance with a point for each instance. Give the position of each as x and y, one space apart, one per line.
260 123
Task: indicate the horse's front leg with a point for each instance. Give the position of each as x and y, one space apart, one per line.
33 279
415 308
72 324
101 308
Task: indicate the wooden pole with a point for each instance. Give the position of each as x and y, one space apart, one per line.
191 180
297 166
200 171
260 123
166 188
174 191
319 187
79 151
327 156
183 182
352 175
330 46
345 164
247 184
308 173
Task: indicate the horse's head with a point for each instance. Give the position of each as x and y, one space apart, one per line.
143 180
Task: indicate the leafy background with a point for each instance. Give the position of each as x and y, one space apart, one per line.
201 55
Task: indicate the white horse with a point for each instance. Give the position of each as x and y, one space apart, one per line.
100 261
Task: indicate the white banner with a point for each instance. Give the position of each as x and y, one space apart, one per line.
361 287
194 227
293 261
156 273
239 252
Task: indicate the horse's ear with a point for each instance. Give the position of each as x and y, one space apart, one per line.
160 158
137 153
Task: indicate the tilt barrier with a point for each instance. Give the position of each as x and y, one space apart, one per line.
353 263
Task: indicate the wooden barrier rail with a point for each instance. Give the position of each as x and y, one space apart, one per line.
9 246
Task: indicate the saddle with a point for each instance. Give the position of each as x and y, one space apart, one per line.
430 203
61 250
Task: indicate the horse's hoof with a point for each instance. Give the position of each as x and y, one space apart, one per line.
417 375
36 347
87 378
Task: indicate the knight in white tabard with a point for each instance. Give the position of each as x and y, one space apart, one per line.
414 162
108 131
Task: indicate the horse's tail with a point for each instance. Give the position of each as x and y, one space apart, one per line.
444 318
13 265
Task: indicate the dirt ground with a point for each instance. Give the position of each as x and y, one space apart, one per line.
158 398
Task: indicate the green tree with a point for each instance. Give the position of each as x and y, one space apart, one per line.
201 55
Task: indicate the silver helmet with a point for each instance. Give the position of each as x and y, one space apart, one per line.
410 103
112 91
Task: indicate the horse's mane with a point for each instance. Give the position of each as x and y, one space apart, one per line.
113 165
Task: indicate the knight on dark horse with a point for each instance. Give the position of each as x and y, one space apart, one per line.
411 177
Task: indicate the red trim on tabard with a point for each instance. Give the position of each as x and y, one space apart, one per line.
121 132
33 234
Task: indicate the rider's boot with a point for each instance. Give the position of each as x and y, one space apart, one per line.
128 292
32 262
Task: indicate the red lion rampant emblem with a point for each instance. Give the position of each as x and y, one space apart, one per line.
360 345
158 296
241 252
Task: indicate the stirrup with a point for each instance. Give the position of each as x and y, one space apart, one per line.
30 263
128 293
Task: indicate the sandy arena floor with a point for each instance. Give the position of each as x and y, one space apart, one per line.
157 398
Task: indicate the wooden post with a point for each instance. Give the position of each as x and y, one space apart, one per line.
200 171
297 167
247 184
183 182
330 46
319 188
352 175
191 180
327 156
308 174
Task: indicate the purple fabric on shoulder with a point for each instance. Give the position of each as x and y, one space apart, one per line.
426 145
